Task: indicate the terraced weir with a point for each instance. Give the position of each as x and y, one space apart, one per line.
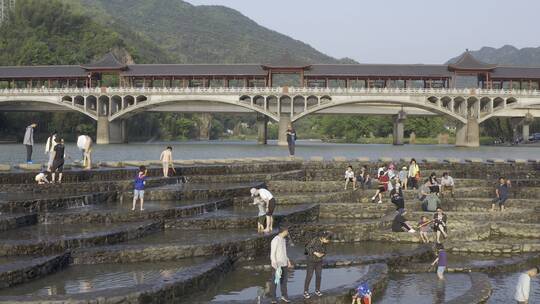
197 242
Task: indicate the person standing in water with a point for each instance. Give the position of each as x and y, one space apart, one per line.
270 201
140 182
316 251
58 160
523 287
280 265
166 160
84 143
28 141
291 139
49 148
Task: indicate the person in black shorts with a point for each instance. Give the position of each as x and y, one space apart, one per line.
501 193
58 160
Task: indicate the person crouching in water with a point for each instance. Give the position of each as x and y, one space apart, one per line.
383 186
41 178
350 178
270 201
140 182
363 294
316 251
261 220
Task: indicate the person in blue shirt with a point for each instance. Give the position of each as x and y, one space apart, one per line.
140 182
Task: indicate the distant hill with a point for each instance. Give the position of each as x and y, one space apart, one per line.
507 55
197 34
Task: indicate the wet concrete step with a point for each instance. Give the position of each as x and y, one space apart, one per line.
54 238
121 211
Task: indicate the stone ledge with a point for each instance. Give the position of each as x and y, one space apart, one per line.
30 167
339 159
5 167
430 160
109 216
317 158
474 160
496 160
478 293
114 235
27 270
363 159
452 160
174 290
109 164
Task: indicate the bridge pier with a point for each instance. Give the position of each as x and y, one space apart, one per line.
525 132
468 134
399 129
111 132
262 129
284 121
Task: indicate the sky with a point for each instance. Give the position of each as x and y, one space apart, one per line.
396 31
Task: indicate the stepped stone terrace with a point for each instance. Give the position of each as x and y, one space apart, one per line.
196 241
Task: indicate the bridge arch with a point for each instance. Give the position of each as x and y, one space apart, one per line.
49 100
167 100
428 106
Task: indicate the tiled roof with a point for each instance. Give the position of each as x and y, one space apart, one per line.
107 62
379 70
468 62
51 71
194 70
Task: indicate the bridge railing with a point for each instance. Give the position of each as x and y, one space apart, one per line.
265 91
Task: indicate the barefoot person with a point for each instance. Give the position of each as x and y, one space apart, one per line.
280 265
140 182
166 160
350 178
28 141
441 261
270 202
261 204
523 287
439 224
383 187
49 148
58 160
501 193
84 143
316 251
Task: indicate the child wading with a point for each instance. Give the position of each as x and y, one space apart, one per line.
362 295
501 193
441 261
261 217
140 182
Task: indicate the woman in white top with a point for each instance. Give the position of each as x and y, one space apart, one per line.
84 143
49 148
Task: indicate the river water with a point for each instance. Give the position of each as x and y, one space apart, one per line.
16 153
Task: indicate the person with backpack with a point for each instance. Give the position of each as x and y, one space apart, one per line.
316 251
439 224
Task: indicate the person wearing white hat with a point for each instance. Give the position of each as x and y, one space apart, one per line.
270 201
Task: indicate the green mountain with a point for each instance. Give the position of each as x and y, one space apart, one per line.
197 34
507 55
